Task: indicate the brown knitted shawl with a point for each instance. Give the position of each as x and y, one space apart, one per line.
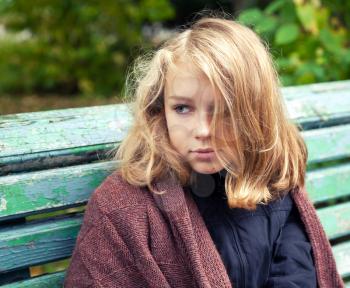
132 238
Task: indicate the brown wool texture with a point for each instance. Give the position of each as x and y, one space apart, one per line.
133 238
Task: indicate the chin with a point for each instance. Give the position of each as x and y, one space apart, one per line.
206 168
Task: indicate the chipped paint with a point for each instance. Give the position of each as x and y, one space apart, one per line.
3 204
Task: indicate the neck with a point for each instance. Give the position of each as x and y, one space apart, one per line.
205 185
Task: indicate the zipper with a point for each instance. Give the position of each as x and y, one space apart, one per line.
241 256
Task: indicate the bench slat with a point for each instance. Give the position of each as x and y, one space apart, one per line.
325 88
35 243
57 138
30 193
28 133
328 183
335 220
36 192
317 111
328 143
54 280
342 257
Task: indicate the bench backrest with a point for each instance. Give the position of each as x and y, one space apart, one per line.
53 160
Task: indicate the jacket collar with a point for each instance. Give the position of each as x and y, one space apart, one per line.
189 229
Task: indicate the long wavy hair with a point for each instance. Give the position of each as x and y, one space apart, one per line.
261 149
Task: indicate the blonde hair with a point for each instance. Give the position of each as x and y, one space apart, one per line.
264 153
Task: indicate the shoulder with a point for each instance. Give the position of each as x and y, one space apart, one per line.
285 209
115 194
283 203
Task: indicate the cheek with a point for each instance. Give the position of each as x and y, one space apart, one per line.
178 134
177 127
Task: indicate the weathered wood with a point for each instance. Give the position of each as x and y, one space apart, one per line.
326 144
59 138
335 220
342 257
38 242
309 104
326 88
54 280
34 192
37 192
328 183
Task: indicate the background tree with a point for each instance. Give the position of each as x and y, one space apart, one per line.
309 39
72 46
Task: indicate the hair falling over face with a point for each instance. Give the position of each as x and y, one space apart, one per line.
261 149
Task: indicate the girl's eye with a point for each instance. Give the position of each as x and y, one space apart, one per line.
178 108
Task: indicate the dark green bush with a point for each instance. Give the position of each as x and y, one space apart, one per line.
73 46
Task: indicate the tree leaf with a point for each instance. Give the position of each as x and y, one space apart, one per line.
307 16
329 41
274 6
287 34
267 24
251 16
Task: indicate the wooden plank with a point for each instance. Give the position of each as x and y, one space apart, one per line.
342 257
325 88
38 242
28 133
328 183
54 280
63 137
335 220
330 143
50 189
58 158
36 192
23 133
318 111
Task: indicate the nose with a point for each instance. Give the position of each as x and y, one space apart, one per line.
202 129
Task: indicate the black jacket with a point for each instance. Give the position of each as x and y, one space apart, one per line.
267 247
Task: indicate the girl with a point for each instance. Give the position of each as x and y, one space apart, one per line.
209 191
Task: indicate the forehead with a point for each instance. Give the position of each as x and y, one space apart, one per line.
186 80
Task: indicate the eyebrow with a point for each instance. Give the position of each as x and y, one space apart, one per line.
183 98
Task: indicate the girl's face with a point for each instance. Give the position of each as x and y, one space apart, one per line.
189 105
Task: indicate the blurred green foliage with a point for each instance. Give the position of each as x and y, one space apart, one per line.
309 39
85 46
72 46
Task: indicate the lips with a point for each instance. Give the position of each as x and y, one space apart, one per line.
206 150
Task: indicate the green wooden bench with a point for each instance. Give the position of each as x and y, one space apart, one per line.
53 160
